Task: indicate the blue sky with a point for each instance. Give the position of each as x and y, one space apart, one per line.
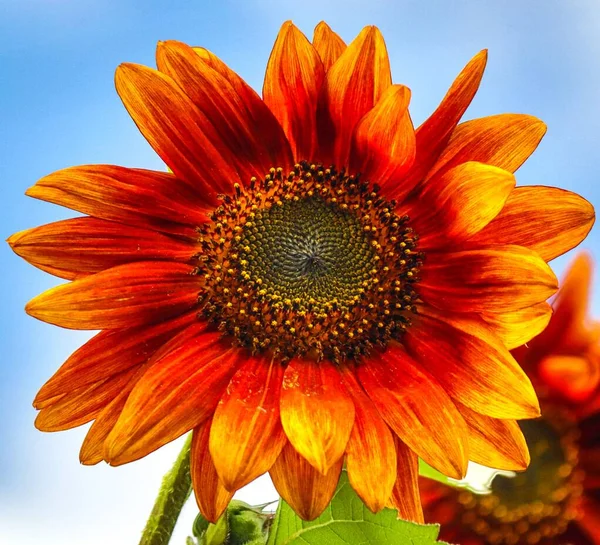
58 108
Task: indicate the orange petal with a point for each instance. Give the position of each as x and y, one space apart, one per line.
496 279
47 402
306 490
383 145
471 364
548 220
328 44
434 429
571 330
212 497
246 436
81 405
405 496
81 246
124 296
433 135
292 82
265 123
519 326
153 200
504 141
575 378
370 453
572 300
317 412
458 203
217 99
178 392
180 134
109 353
353 85
92 449
495 443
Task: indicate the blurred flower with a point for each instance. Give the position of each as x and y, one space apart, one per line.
557 499
315 280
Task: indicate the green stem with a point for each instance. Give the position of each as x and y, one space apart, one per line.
174 491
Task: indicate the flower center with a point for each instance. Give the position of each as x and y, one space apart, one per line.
308 250
540 502
313 263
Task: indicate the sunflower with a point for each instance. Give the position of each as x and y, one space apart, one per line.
313 282
557 500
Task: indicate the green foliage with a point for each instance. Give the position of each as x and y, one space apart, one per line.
241 524
347 521
425 470
200 526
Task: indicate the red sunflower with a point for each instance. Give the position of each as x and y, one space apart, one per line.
557 500
316 281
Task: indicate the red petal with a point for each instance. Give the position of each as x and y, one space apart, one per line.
124 296
246 436
217 99
328 44
153 200
519 326
109 353
495 279
434 429
383 145
177 393
352 87
212 497
180 134
504 141
575 378
405 496
458 203
548 220
370 453
495 443
433 135
306 490
571 330
317 412
292 83
92 449
81 246
471 364
79 406
264 121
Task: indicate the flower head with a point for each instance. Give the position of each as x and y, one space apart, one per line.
557 499
314 281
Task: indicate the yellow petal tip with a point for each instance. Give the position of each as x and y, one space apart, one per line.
32 191
322 24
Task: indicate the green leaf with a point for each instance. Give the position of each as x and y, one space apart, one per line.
245 524
347 521
425 470
216 534
240 524
200 526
